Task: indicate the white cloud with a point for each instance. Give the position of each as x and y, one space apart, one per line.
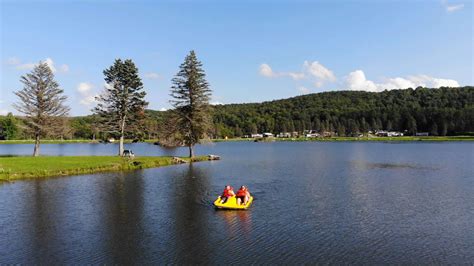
356 80
454 8
50 63
319 75
88 100
296 75
319 71
17 63
85 92
3 111
314 71
266 71
318 84
84 87
152 75
163 109
431 82
303 90
215 103
26 66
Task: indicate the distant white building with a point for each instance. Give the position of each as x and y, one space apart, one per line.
256 135
266 135
384 133
284 135
311 133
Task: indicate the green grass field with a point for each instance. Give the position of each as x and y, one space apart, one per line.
13 168
47 141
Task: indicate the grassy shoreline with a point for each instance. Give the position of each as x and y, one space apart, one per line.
381 139
16 168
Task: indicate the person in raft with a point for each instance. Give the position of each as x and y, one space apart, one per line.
243 195
228 192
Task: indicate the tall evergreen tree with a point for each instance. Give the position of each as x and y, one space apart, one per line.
191 94
42 102
123 100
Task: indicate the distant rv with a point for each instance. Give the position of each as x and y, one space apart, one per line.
383 133
312 134
267 135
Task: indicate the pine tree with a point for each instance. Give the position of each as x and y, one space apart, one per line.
123 101
42 102
191 95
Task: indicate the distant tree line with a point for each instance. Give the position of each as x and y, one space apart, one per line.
443 111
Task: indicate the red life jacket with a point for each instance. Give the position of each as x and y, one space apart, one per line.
227 193
242 192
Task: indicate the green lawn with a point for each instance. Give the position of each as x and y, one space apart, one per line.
12 168
58 141
47 141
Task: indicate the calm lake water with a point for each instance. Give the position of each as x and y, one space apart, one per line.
341 202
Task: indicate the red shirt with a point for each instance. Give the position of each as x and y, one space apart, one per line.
227 192
242 192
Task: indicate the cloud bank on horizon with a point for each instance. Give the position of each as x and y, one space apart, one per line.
318 75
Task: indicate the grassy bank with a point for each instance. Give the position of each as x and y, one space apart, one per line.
404 138
13 168
64 141
47 141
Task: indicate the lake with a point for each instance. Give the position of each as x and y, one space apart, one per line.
315 202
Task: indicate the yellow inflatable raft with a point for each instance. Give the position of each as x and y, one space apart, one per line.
231 204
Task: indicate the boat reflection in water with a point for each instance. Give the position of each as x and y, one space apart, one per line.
238 222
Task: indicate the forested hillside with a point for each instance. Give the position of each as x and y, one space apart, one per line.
444 111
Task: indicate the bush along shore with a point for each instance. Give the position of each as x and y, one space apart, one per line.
15 168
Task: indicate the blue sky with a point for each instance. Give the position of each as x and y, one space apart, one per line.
252 51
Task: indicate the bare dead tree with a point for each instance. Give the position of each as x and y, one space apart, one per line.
42 102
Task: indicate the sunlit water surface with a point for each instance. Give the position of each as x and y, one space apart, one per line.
343 202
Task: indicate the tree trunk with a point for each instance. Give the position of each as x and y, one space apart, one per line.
37 145
122 129
191 151
121 146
